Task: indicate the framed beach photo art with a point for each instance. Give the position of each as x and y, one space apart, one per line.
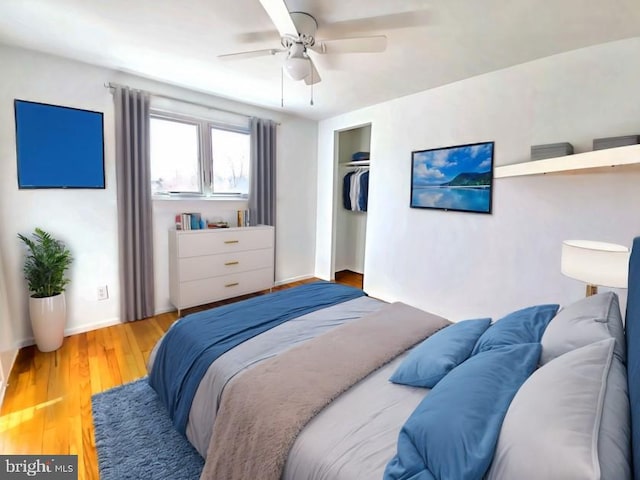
453 178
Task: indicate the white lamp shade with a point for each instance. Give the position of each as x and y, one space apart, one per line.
297 68
596 263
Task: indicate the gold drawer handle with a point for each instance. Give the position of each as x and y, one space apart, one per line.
232 241
232 263
235 284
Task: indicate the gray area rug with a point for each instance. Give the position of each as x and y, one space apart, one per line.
135 438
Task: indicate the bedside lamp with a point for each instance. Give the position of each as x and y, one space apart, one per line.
595 263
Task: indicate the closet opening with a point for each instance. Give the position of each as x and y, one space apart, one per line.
352 156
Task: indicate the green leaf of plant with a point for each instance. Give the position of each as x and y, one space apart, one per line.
45 264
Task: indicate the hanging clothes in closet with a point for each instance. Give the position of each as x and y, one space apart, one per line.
355 190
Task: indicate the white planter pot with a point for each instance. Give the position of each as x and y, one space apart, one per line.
48 319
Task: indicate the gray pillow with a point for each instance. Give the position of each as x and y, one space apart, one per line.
582 323
569 421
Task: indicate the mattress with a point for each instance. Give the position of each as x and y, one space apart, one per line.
356 433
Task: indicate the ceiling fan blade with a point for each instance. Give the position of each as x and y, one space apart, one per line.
257 37
346 28
417 18
373 44
314 76
277 11
250 54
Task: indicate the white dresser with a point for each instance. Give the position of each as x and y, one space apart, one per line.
210 265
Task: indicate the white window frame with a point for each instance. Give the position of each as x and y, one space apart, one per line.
205 158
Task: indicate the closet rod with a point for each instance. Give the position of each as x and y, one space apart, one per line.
112 86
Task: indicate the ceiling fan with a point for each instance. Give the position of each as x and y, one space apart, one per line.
298 38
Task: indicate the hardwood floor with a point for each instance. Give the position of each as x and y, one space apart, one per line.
350 278
47 406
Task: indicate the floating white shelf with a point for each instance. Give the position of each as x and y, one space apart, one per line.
356 163
598 159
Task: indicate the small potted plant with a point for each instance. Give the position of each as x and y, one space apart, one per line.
44 269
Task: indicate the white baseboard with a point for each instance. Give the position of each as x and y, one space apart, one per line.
5 383
75 330
165 310
293 279
92 326
351 269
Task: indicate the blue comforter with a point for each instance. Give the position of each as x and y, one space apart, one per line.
194 342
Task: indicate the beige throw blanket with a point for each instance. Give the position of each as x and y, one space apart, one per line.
265 408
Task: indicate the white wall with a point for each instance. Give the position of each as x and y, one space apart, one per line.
86 219
8 350
462 264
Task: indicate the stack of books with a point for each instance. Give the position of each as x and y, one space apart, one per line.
614 142
243 218
552 150
189 221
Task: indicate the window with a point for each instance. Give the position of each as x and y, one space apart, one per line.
192 156
230 155
175 166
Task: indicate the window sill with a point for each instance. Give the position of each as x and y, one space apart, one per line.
200 198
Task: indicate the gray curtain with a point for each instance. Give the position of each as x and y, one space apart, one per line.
135 226
262 190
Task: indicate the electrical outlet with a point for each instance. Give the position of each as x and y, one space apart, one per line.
103 293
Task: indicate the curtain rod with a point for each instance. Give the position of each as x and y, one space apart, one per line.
111 86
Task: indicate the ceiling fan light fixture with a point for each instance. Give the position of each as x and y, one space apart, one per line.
297 68
298 38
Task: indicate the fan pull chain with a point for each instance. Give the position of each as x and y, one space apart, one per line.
282 87
311 101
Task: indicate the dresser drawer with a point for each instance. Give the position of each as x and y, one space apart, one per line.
196 268
198 292
196 244
210 265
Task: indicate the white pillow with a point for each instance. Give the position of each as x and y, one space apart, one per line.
582 323
569 421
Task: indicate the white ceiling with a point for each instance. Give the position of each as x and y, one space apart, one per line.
177 41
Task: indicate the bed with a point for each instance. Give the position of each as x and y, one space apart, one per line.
296 385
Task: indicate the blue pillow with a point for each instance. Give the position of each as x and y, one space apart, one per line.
522 326
453 432
427 363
